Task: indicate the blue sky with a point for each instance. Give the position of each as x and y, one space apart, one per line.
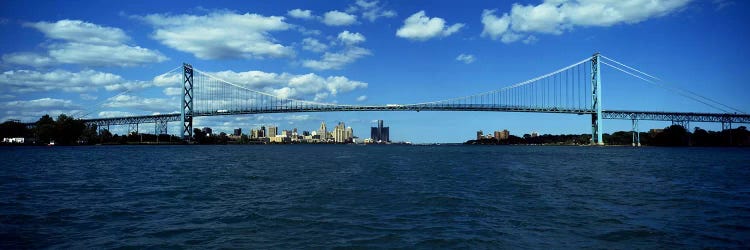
64 57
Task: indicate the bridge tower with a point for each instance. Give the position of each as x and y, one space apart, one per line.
187 102
596 95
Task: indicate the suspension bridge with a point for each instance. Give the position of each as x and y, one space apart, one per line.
574 89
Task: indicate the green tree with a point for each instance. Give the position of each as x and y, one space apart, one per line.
45 129
673 136
68 130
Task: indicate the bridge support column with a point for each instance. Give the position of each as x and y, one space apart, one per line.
636 134
186 104
596 97
133 128
160 127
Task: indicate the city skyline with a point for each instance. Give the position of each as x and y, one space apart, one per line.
61 58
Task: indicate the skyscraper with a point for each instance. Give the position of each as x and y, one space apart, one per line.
380 134
340 134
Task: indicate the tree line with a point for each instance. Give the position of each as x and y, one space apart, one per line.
66 130
672 136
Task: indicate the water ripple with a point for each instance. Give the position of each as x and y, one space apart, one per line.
326 196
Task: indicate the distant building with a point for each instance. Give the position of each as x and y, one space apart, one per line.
502 135
380 133
262 132
272 132
279 139
534 134
323 131
342 134
479 135
254 134
237 132
14 140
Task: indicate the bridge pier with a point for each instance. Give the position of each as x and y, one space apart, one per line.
186 103
160 127
133 127
596 100
636 134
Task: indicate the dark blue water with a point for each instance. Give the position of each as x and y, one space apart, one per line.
321 196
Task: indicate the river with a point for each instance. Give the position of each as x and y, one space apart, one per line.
327 196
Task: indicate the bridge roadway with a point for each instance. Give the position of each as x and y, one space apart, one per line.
606 114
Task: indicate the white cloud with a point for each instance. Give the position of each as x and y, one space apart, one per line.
172 91
494 26
338 18
221 35
301 14
87 97
530 40
314 45
304 117
24 81
337 60
350 38
29 59
86 44
558 16
465 58
287 85
31 110
30 80
143 104
105 114
81 32
420 27
362 98
371 10
103 55
43 103
166 80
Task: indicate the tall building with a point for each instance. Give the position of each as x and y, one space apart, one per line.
341 134
238 132
380 133
262 132
273 131
254 134
479 135
323 131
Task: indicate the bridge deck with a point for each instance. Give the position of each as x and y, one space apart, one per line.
607 114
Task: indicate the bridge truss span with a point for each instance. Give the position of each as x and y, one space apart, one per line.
676 116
